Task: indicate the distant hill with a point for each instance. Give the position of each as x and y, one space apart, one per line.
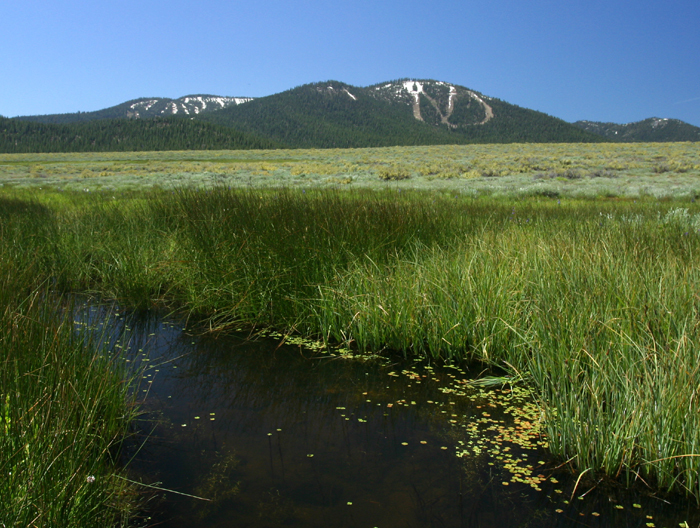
403 112
652 129
111 135
324 115
145 107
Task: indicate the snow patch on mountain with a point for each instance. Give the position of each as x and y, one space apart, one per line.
145 104
659 121
413 87
190 104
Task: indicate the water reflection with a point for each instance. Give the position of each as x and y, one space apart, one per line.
281 436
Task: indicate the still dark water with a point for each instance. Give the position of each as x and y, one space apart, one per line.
281 435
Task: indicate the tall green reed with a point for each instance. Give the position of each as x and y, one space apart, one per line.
261 255
65 405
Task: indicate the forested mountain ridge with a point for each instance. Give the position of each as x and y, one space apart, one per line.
329 114
403 112
652 129
145 107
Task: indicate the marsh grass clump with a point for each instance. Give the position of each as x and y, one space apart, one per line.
614 360
64 412
65 404
262 256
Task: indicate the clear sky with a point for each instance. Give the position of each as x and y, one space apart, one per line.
601 60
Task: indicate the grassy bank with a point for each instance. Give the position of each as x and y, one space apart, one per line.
593 302
64 403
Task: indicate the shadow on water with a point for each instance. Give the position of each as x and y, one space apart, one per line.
279 435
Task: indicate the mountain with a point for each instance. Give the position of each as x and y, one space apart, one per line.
113 135
403 112
330 114
326 115
652 129
146 107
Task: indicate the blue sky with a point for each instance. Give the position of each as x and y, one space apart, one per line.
602 60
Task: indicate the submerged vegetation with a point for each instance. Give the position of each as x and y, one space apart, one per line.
592 303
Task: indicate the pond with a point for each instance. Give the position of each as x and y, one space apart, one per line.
258 432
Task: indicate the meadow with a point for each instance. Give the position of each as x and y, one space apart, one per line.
659 170
574 268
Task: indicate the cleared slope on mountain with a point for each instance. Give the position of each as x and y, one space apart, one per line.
648 130
114 135
473 115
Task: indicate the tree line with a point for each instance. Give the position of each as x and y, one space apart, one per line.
118 135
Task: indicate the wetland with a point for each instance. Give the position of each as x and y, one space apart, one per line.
558 309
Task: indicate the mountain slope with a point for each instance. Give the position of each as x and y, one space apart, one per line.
145 107
652 129
436 102
113 135
330 114
404 112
